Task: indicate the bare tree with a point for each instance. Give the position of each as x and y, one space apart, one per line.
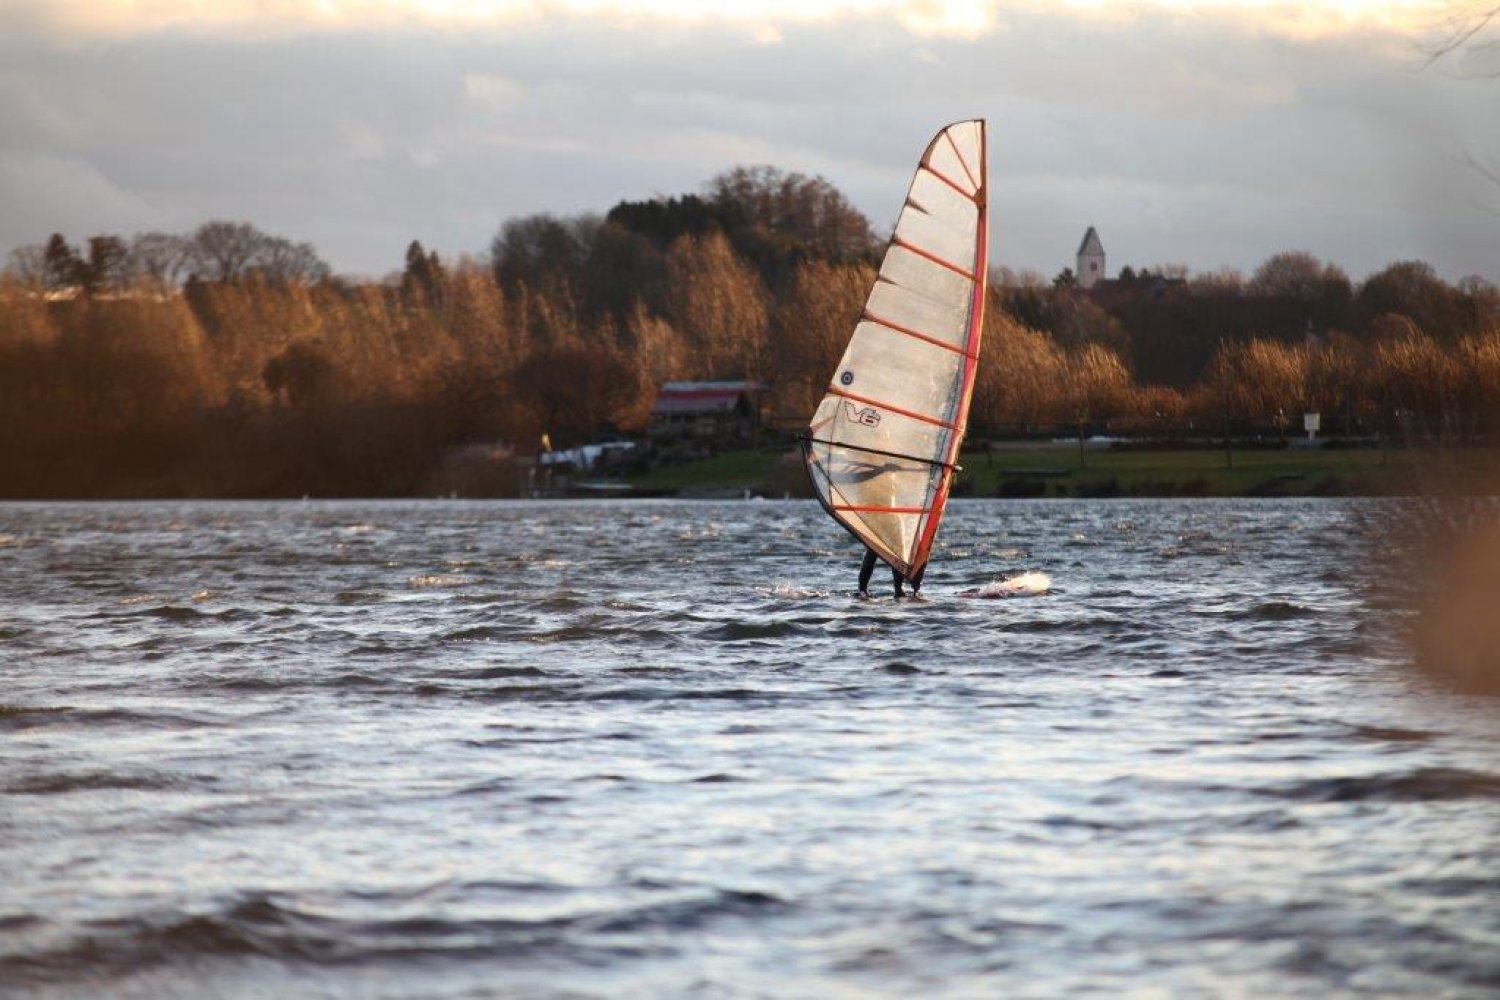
224 251
61 265
1172 272
160 258
107 268
424 277
1226 281
1472 28
542 252
1413 289
28 265
1468 27
283 262
232 251
808 210
1295 274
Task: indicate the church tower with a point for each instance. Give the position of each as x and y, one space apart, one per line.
1090 260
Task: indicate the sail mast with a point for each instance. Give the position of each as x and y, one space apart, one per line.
971 347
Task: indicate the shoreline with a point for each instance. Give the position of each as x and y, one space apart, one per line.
999 470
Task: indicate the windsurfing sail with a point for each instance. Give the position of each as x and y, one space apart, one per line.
883 443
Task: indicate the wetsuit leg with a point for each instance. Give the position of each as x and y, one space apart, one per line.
866 568
896 581
916 580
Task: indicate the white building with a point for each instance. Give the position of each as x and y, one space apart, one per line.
1090 260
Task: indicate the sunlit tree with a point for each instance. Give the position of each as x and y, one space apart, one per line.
810 328
719 305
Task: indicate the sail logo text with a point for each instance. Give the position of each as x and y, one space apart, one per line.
867 415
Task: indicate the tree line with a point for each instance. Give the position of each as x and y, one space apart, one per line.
162 262
1401 354
228 362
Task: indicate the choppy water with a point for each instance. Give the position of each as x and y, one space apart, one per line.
656 749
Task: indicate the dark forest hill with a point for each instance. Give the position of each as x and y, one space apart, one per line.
229 362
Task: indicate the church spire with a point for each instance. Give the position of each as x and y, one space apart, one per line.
1090 260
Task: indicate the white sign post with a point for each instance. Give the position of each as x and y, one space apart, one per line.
1310 423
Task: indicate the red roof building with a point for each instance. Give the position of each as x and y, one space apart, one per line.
720 411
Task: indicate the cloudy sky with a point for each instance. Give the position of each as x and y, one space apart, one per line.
1204 132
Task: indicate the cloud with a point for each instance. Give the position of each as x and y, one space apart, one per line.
41 193
1184 134
1304 19
67 21
71 20
492 91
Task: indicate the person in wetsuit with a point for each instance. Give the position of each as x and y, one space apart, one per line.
867 569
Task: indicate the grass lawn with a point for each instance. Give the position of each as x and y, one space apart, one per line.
732 470
1058 470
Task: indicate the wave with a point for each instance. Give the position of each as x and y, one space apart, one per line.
281 928
650 670
1391 734
1275 611
1428 784
17 718
685 914
94 781
221 682
22 716
501 742
1031 584
558 602
486 787
176 613
787 591
619 634
477 633
903 669
579 691
520 692
738 631
358 597
677 694
495 673
19 921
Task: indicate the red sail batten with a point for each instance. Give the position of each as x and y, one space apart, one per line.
898 328
928 255
934 171
868 509
958 154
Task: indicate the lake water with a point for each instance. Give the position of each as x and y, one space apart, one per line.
656 748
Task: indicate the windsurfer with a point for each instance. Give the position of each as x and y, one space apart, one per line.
867 569
882 445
